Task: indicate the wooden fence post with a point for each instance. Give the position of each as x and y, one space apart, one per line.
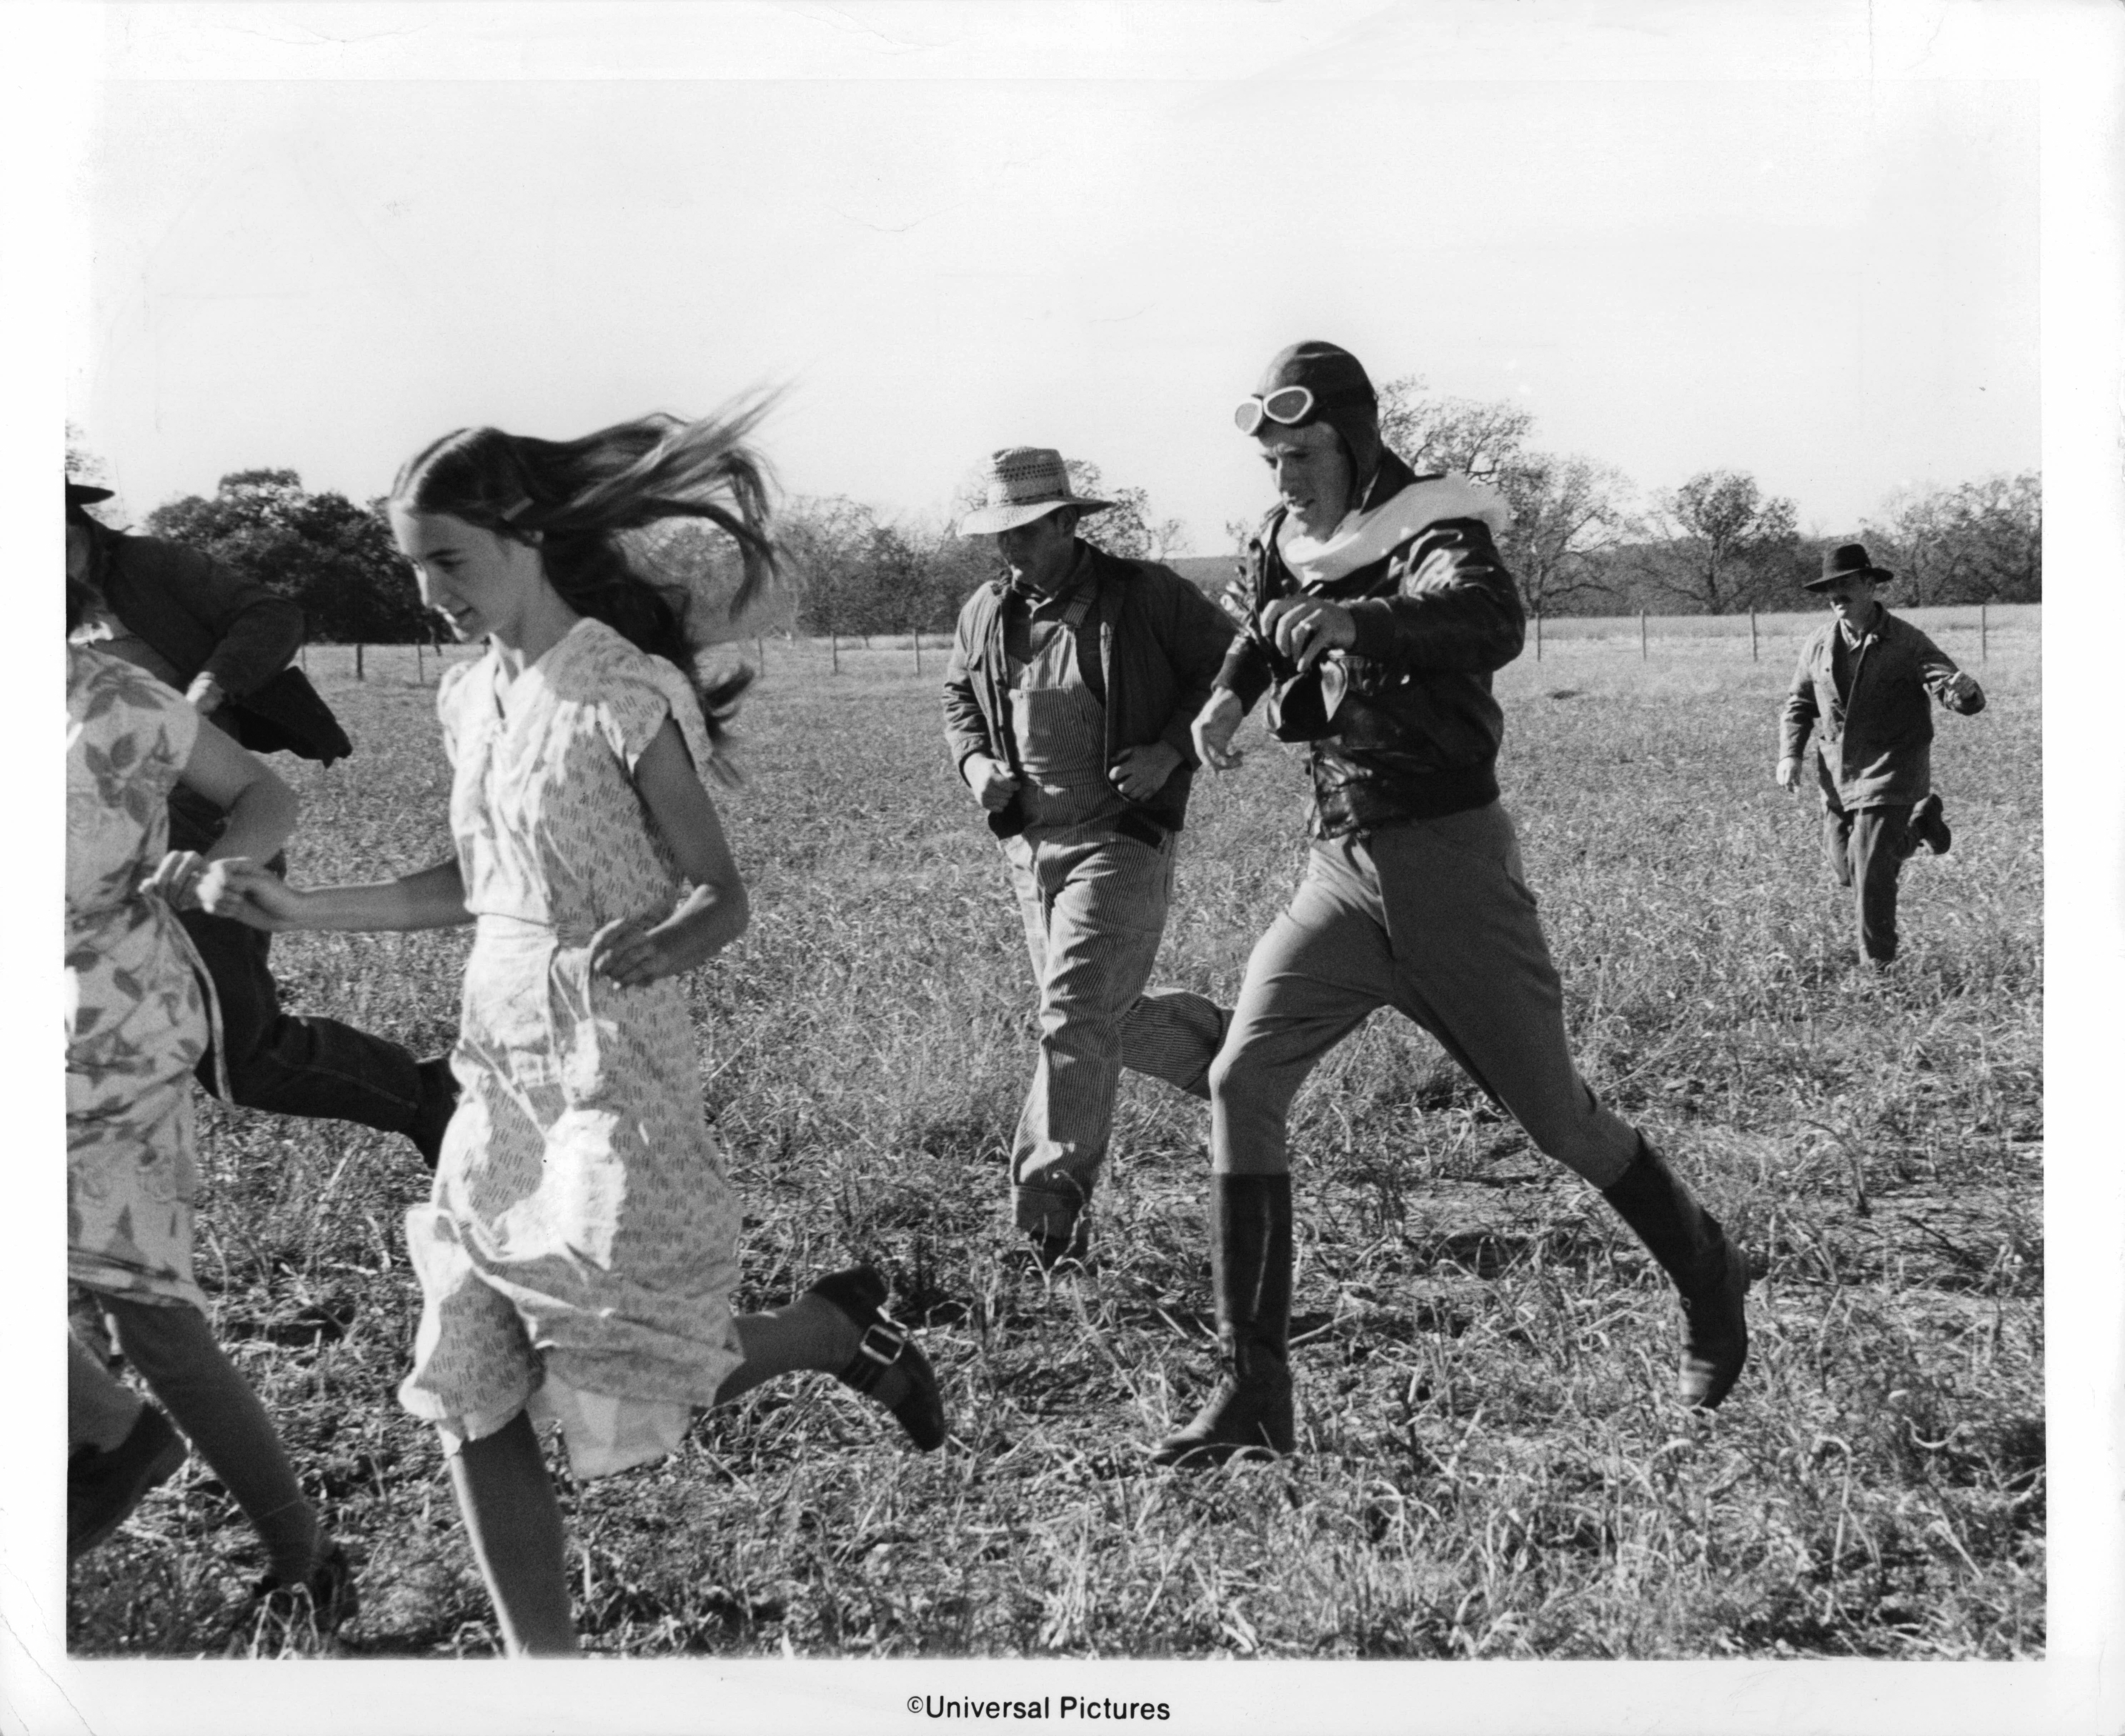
918 650
1983 638
1752 636
1537 639
834 644
1642 635
760 649
358 675
420 664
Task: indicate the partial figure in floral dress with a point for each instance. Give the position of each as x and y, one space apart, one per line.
138 1019
578 1257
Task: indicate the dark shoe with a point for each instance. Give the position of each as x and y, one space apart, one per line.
1711 1275
439 1102
1927 823
1251 1411
320 1603
860 1293
103 1487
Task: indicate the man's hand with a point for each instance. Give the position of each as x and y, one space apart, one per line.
205 694
1788 774
1140 773
1215 726
991 780
1959 686
1306 629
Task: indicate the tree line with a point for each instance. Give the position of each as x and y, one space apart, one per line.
1583 541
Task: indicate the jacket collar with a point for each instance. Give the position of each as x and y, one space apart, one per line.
1876 628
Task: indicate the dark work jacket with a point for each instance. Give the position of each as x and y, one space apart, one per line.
1160 643
1876 747
200 617
1413 732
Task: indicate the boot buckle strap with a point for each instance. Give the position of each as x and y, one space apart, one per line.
882 1342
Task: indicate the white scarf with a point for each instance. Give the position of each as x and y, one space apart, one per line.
1362 538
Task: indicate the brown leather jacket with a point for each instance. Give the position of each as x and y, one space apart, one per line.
1403 725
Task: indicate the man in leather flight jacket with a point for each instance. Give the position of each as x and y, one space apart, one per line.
1373 609
1068 703
225 644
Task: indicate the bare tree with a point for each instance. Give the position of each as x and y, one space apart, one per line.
82 464
1975 542
1718 543
87 466
1566 512
1126 529
1480 436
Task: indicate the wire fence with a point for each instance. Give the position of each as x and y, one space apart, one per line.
1956 628
1968 632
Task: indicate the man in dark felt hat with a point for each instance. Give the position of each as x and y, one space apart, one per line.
1375 606
225 644
1864 679
1072 680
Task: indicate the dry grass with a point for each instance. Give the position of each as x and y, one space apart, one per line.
1492 1467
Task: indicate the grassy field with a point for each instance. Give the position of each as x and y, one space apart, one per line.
1492 1465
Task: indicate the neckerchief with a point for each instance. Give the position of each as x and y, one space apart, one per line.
1365 536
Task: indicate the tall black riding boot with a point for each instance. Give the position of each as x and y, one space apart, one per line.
1711 1273
1250 1279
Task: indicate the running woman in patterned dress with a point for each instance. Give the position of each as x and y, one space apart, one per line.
578 1253
138 1018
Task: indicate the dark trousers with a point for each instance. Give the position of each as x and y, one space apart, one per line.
1867 848
285 1065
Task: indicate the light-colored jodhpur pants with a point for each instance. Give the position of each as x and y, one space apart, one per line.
1094 905
1433 918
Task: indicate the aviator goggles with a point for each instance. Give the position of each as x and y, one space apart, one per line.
1287 406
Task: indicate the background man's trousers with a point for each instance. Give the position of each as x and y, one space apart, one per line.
1867 848
1094 905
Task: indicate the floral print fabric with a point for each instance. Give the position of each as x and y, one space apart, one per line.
582 1222
136 1018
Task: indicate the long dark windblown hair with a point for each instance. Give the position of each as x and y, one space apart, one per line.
577 497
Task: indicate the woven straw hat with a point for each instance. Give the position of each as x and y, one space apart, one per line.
1024 483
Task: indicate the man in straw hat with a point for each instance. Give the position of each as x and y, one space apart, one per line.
1375 607
1864 677
1072 680
226 644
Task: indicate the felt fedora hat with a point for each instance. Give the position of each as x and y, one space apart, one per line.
80 494
1024 483
1847 560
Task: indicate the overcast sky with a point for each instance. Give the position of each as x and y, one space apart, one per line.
1829 281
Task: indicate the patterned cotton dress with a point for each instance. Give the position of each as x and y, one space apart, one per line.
580 1248
136 1018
